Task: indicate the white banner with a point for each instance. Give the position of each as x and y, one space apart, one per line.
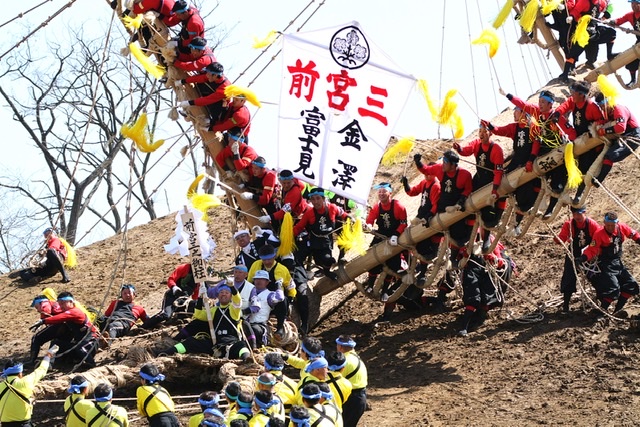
340 98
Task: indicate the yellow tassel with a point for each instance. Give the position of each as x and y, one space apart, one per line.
194 186
575 176
234 90
503 15
581 36
155 70
139 134
424 90
458 126
529 15
132 23
203 202
608 90
267 41
448 109
398 151
72 259
549 6
352 237
50 294
489 36
90 314
287 240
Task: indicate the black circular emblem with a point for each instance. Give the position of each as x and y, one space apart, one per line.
349 48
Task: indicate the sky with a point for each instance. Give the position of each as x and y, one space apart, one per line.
429 40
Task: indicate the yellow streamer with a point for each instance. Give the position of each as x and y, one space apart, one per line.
193 188
155 70
581 36
503 15
448 109
50 294
203 202
575 176
132 23
234 90
139 134
267 41
287 239
608 89
352 237
424 90
489 36
549 6
398 151
529 15
53 296
458 126
72 258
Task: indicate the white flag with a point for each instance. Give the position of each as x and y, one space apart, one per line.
340 98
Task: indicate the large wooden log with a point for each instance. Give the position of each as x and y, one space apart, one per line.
610 67
383 251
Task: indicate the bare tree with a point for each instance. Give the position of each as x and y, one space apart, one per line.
73 110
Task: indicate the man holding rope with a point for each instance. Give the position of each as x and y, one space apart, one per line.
390 216
578 232
613 282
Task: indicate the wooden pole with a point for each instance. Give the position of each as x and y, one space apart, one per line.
440 222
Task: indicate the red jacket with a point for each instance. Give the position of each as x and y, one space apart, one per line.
464 181
620 122
603 239
239 118
73 315
137 311
294 198
534 111
246 154
433 187
56 244
192 27
309 217
187 63
496 157
163 7
399 213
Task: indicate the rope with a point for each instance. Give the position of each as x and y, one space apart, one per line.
142 177
517 30
473 67
22 14
273 58
618 201
444 15
491 64
39 27
242 73
504 36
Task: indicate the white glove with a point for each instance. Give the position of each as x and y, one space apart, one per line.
172 44
247 195
561 7
53 350
569 19
202 292
279 283
206 123
257 230
230 174
368 228
178 83
452 209
241 185
502 92
176 289
265 219
235 148
286 207
184 104
393 240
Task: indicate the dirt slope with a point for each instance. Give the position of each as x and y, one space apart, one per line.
549 369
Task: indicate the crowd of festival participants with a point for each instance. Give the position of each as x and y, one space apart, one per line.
331 389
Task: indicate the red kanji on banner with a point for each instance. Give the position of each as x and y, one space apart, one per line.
375 103
339 99
303 77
